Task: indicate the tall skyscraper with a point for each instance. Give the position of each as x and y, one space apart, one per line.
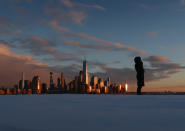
85 73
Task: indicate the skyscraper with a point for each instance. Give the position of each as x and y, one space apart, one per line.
85 73
36 85
94 82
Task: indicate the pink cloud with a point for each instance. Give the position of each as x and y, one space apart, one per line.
157 59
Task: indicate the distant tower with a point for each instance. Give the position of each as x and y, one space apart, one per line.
22 81
62 80
85 73
51 79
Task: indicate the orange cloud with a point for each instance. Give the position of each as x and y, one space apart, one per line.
5 51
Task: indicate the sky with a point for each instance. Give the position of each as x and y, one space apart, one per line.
38 36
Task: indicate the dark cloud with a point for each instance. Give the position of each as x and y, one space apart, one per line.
161 67
41 47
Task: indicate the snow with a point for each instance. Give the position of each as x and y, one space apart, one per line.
67 112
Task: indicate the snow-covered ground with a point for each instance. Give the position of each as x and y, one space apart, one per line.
92 113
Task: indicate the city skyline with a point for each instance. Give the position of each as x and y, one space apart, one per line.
81 84
39 37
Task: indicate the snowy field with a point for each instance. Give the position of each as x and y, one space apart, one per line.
92 113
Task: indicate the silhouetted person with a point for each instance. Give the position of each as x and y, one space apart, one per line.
140 74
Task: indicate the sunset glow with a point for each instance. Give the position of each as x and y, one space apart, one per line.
126 87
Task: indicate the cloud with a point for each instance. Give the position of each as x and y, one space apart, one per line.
6 27
67 32
5 51
163 67
58 14
87 46
77 16
41 47
67 3
71 4
156 59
